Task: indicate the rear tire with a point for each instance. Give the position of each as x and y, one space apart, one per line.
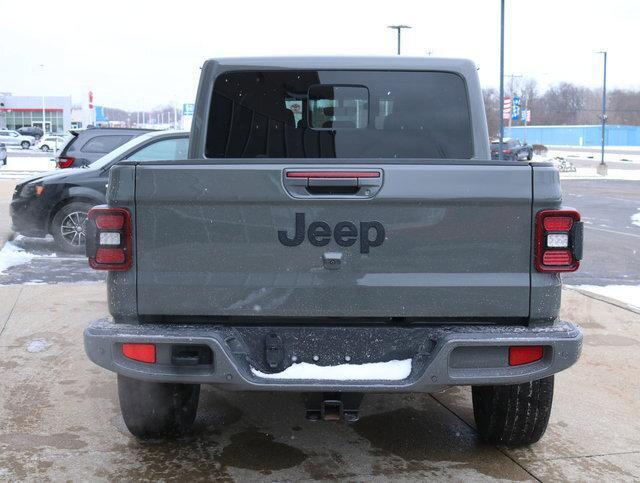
64 227
513 415
44 148
25 144
157 410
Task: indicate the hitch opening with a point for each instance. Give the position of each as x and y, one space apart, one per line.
333 406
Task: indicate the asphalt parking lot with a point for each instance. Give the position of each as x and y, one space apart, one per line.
61 418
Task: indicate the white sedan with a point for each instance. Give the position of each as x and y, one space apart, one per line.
51 143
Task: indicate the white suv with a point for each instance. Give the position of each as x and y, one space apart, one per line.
13 138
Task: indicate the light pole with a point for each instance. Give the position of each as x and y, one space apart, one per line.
501 110
44 124
602 167
398 28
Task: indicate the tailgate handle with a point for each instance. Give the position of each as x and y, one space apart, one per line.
339 183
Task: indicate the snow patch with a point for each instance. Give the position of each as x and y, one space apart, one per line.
627 294
12 255
37 345
614 174
373 371
635 219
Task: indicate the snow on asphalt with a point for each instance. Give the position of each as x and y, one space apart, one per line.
635 219
613 174
12 255
374 371
627 294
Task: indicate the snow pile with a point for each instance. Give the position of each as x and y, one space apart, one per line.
37 345
635 219
627 294
12 255
614 174
374 371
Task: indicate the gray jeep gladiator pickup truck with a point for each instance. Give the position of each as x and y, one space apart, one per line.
339 229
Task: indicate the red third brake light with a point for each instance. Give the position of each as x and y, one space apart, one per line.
109 243
140 352
558 244
525 354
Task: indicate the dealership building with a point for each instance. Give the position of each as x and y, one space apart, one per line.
21 111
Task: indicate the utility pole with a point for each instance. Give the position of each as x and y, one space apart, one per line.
501 110
44 125
602 167
398 28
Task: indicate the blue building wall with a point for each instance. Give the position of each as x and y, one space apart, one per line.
615 135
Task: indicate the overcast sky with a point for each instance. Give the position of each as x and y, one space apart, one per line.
139 54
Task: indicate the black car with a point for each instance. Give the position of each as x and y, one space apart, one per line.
512 149
89 145
3 154
57 203
34 131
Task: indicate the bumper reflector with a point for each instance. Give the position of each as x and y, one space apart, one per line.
140 352
525 354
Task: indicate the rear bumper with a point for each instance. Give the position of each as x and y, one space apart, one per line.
441 355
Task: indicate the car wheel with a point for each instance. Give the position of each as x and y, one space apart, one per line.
514 414
44 148
25 144
157 410
68 227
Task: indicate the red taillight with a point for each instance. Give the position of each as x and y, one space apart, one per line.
109 242
140 352
65 162
557 257
558 244
507 151
557 223
525 354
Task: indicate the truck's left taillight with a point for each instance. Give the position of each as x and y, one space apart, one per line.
558 241
109 241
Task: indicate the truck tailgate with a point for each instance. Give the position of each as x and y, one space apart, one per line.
456 243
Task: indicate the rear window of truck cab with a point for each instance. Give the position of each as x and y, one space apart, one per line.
339 114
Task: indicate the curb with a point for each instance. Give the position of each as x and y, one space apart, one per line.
605 299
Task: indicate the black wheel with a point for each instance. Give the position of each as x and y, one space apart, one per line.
44 148
68 226
513 415
25 144
157 410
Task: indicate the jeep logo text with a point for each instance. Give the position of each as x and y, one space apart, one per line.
345 234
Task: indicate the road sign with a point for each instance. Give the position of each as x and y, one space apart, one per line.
187 109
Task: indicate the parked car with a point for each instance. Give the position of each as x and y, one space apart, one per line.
331 255
14 138
87 146
3 154
51 143
34 131
57 203
512 149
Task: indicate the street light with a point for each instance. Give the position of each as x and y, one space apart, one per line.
602 167
398 28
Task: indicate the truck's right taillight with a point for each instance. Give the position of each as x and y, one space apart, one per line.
558 241
109 241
